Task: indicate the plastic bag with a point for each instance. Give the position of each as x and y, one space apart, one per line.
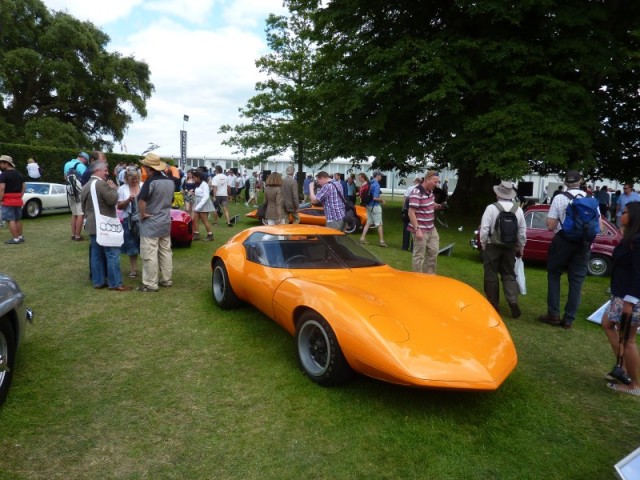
520 278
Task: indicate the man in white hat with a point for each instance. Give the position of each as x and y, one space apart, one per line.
11 192
503 233
154 206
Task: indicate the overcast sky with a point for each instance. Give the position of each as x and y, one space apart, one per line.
201 54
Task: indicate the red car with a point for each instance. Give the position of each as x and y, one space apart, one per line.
539 239
181 228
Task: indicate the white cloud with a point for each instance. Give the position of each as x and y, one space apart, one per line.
206 72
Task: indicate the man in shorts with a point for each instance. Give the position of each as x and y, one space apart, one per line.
11 192
220 184
78 166
374 210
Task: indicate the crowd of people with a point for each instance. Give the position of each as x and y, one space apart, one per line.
128 213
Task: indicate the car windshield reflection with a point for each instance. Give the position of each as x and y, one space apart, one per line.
307 251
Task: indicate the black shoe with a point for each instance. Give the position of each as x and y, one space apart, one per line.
515 310
618 374
566 325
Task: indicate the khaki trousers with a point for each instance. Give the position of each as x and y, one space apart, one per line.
156 258
425 251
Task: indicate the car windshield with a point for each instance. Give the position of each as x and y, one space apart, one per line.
308 251
39 188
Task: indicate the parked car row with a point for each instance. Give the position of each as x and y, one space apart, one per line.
539 239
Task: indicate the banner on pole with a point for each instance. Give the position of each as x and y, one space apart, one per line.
183 149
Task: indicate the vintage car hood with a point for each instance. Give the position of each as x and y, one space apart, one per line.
425 328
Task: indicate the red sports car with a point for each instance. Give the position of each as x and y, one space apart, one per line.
539 239
181 228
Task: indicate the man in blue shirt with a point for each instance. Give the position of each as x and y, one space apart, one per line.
74 187
374 209
628 196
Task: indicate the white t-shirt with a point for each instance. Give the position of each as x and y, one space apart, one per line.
221 182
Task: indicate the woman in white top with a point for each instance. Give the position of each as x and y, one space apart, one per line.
33 169
202 205
127 201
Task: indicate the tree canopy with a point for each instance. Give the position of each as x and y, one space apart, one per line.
496 88
58 84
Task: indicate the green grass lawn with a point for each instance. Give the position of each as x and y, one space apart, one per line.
132 385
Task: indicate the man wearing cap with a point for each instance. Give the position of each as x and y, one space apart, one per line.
564 255
498 258
11 192
374 209
331 198
422 215
75 205
154 206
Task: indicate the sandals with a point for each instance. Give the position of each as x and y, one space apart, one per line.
133 274
629 391
364 242
382 244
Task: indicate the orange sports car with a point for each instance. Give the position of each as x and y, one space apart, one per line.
314 215
349 312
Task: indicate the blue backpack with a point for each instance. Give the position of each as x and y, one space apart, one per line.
582 220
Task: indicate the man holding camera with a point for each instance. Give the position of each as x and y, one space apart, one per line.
422 215
331 198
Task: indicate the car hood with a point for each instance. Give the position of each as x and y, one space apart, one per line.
426 328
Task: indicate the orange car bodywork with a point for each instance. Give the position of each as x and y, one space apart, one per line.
314 215
401 327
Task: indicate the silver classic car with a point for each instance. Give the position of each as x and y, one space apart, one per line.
13 319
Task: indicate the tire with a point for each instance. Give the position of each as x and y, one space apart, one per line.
599 266
221 289
7 356
351 225
319 354
32 209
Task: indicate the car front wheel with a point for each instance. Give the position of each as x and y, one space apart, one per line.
599 266
7 356
223 293
32 209
319 354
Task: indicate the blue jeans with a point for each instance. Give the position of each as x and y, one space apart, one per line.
105 262
574 257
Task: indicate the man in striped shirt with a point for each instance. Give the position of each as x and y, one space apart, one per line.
422 215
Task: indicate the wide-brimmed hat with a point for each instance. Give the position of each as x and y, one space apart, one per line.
8 159
152 160
505 190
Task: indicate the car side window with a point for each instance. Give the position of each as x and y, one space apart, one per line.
539 220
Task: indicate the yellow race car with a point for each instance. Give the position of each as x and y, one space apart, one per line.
349 312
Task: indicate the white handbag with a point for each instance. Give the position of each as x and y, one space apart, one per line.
109 231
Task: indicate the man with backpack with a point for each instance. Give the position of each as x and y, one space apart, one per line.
503 233
575 219
73 171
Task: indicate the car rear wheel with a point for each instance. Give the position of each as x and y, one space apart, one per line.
7 356
351 225
223 294
32 209
599 266
319 354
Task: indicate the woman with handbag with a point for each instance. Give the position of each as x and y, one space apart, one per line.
128 213
202 206
188 192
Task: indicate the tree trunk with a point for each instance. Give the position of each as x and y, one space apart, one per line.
472 193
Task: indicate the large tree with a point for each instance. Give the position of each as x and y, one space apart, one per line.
494 88
58 84
280 116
